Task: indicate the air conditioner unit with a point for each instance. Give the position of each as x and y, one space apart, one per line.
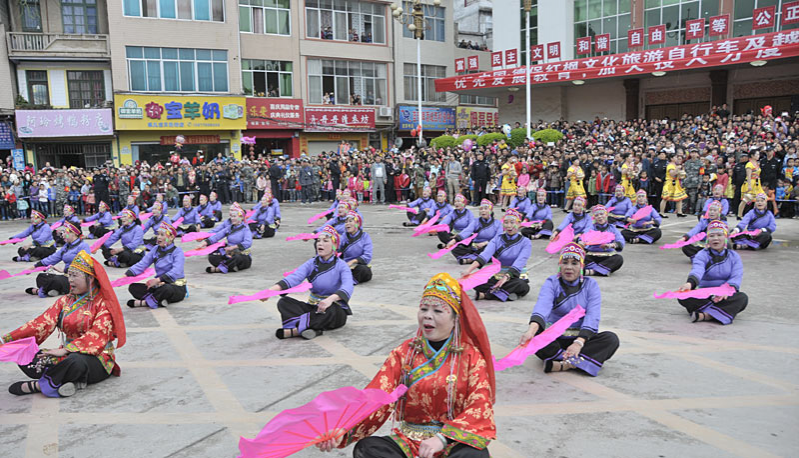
385 112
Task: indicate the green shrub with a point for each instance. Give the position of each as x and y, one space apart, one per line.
517 137
487 139
444 141
548 136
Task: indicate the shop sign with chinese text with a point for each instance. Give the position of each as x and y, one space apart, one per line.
64 123
275 113
433 118
339 119
164 112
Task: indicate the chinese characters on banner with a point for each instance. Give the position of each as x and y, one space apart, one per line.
553 50
473 63
264 113
167 140
695 29
657 35
512 58
635 38
6 136
790 13
584 45
719 26
737 50
433 118
64 123
496 59
474 117
602 43
764 18
339 119
536 53
460 65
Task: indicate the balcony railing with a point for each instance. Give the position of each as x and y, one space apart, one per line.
63 45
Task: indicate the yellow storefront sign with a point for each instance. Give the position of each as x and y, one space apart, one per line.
159 112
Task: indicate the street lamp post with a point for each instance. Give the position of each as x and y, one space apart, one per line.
417 25
528 5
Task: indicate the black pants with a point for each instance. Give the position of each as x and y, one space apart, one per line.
37 253
302 315
597 349
76 368
723 311
98 231
651 236
758 242
361 273
125 258
417 218
544 232
385 447
168 292
691 250
52 282
481 189
445 237
258 233
232 263
604 265
208 222
275 190
466 253
515 285
187 228
736 198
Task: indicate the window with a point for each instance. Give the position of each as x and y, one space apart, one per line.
674 13
177 69
198 10
346 82
86 88
31 16
477 100
79 16
435 18
599 17
267 78
38 93
533 30
346 20
429 74
742 16
265 16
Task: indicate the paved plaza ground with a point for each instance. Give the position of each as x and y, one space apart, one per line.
198 375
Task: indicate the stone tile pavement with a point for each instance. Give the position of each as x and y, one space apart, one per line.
199 374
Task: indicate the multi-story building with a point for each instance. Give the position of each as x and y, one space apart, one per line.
176 72
652 93
59 54
94 80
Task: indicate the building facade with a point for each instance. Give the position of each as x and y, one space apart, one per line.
611 23
91 81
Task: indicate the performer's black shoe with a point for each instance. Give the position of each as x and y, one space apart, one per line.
16 388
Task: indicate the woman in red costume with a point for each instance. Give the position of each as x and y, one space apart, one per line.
88 319
448 369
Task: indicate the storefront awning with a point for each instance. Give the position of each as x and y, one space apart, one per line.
732 51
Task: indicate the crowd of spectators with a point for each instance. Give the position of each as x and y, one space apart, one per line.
713 149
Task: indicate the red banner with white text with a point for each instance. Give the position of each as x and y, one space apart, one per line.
778 45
